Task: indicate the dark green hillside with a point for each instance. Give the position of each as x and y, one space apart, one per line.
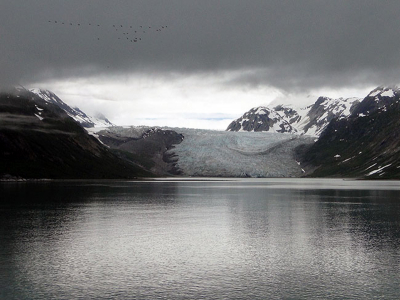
39 140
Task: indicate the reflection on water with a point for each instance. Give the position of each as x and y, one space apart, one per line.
246 239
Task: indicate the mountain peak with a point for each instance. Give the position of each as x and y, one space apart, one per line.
384 91
286 118
261 119
75 113
380 98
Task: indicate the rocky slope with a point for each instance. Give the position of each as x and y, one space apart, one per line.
39 140
144 145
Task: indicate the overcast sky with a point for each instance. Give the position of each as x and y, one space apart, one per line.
202 62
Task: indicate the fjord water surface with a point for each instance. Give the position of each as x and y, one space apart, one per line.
173 239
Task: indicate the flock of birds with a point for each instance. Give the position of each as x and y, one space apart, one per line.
128 33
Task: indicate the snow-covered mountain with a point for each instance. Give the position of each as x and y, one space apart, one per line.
262 119
78 115
380 98
364 144
283 118
325 110
362 140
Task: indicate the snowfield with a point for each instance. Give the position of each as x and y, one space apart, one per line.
238 154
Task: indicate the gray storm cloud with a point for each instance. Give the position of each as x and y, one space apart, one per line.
286 44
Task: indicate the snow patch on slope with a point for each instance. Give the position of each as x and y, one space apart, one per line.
388 93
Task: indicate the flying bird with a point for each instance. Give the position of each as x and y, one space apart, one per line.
125 33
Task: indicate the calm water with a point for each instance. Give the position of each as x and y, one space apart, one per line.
247 239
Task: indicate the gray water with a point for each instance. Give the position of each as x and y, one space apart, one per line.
245 239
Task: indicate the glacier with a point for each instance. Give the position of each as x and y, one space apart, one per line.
238 154
213 153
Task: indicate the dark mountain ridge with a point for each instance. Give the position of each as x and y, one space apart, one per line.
39 140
